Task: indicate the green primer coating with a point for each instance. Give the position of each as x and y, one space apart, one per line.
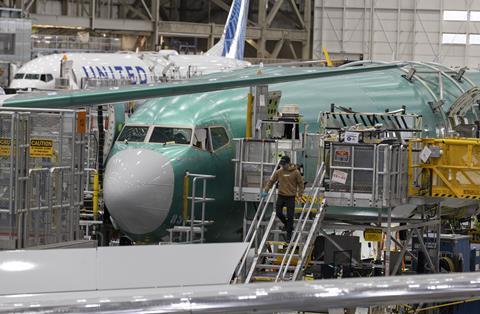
363 90
253 76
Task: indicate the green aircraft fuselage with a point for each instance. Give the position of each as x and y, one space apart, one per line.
364 92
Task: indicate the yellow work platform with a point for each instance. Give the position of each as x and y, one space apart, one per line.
447 167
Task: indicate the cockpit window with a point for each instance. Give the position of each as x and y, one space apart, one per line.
19 76
133 133
30 76
219 137
171 135
46 77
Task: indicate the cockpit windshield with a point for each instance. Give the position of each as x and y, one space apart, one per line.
30 76
171 135
133 133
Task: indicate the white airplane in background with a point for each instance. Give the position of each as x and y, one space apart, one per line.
40 73
141 67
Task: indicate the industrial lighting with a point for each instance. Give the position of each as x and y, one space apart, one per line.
16 266
57 26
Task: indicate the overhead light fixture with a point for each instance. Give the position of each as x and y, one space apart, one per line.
57 26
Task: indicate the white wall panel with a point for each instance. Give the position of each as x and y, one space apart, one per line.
402 30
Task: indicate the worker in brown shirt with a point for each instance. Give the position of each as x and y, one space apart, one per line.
290 184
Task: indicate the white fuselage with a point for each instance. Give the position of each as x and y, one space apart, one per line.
195 65
141 68
40 73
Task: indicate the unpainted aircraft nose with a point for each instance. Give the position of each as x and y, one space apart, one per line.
138 189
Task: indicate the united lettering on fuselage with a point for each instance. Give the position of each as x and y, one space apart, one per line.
136 74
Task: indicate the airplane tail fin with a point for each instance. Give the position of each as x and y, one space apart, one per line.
232 43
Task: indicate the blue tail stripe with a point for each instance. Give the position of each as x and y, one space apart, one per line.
232 27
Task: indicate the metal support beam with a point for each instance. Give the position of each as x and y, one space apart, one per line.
262 23
294 7
146 9
252 43
402 253
156 18
226 7
144 18
307 18
277 48
292 49
401 247
29 5
92 13
273 12
424 249
135 11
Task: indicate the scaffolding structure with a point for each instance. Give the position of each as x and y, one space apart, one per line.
42 176
365 188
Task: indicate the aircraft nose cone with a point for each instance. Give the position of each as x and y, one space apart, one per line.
138 189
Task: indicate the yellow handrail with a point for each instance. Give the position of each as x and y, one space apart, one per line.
96 189
186 190
248 130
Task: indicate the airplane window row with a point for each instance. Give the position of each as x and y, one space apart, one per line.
30 76
209 139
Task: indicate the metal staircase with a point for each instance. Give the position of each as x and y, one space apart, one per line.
280 261
255 226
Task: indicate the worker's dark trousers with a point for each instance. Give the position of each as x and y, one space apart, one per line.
289 203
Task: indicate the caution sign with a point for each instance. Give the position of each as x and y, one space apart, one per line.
372 235
41 148
5 144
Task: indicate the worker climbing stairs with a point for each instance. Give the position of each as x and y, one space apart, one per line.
275 259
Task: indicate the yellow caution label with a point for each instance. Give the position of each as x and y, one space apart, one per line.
41 148
372 235
5 144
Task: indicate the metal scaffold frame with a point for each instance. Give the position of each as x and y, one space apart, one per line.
42 160
433 77
192 230
283 27
378 203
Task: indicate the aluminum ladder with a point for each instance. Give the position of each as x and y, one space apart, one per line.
289 262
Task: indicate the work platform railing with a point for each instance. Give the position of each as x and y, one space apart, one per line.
192 229
42 175
256 159
367 175
366 187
